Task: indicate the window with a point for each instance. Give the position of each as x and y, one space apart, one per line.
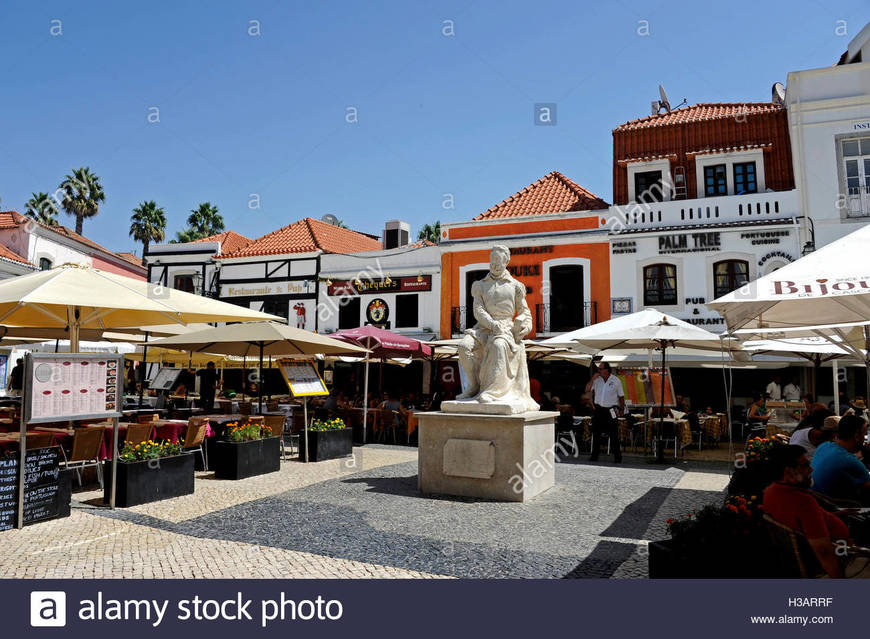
648 186
715 180
183 283
44 264
406 311
729 275
470 278
348 313
566 298
744 178
659 284
279 307
856 158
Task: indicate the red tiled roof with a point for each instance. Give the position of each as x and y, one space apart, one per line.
700 112
14 219
9 254
730 149
306 236
130 257
230 241
553 193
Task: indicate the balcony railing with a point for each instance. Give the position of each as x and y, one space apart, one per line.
858 201
546 319
708 210
550 318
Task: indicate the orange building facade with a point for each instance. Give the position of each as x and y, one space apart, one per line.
556 232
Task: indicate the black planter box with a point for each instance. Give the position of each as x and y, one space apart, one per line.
239 460
326 444
149 480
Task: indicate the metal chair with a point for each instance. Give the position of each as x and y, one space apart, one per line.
276 424
138 433
194 438
86 452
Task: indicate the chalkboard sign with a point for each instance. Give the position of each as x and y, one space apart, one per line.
40 487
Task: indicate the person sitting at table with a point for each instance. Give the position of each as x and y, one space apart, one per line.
837 471
16 377
758 414
789 501
392 403
813 431
336 401
586 408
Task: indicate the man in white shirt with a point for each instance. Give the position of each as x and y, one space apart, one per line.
609 399
774 390
792 391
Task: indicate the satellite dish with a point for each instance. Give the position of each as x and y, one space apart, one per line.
778 93
329 218
664 99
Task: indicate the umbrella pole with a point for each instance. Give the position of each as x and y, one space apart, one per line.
867 361
660 451
835 370
74 332
305 424
366 401
260 388
114 463
142 372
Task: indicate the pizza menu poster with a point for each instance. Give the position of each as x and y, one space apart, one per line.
66 387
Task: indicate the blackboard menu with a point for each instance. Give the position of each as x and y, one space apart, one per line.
40 487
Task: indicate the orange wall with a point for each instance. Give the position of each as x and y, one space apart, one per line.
597 253
519 228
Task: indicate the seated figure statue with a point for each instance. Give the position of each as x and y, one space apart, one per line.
492 354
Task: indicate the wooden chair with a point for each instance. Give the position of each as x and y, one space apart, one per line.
276 424
245 406
138 433
272 405
39 440
194 438
147 417
387 420
565 427
256 419
796 557
86 452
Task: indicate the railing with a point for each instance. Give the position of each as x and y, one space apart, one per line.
858 201
558 320
726 208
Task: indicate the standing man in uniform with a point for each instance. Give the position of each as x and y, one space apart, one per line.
609 400
208 382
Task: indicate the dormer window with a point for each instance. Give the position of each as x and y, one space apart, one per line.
715 180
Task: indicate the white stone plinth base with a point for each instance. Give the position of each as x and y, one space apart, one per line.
503 457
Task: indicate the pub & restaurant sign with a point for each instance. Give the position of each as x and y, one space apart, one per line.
385 285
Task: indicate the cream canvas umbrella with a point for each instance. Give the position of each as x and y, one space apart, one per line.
73 297
263 338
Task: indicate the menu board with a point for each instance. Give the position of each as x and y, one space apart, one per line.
302 378
71 386
165 379
643 386
40 487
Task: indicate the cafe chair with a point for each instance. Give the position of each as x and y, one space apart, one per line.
272 405
256 419
86 452
385 420
245 406
565 428
194 438
276 424
147 418
39 440
138 433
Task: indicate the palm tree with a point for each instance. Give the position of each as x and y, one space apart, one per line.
148 223
42 208
203 221
431 232
82 195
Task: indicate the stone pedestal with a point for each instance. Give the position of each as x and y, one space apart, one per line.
503 457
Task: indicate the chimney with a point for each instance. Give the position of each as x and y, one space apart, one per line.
396 234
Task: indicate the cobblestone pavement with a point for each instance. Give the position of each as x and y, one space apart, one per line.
363 518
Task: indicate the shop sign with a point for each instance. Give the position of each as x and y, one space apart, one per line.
298 287
625 246
775 255
531 250
377 312
861 126
764 237
385 285
690 243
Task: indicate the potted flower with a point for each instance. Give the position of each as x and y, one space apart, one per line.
247 449
148 472
327 439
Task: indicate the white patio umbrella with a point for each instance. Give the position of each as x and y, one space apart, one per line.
827 291
649 330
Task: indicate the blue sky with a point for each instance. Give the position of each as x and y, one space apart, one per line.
438 114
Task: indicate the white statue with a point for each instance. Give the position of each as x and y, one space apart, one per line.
492 354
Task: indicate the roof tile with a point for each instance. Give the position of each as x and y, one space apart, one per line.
700 112
553 193
305 236
230 241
